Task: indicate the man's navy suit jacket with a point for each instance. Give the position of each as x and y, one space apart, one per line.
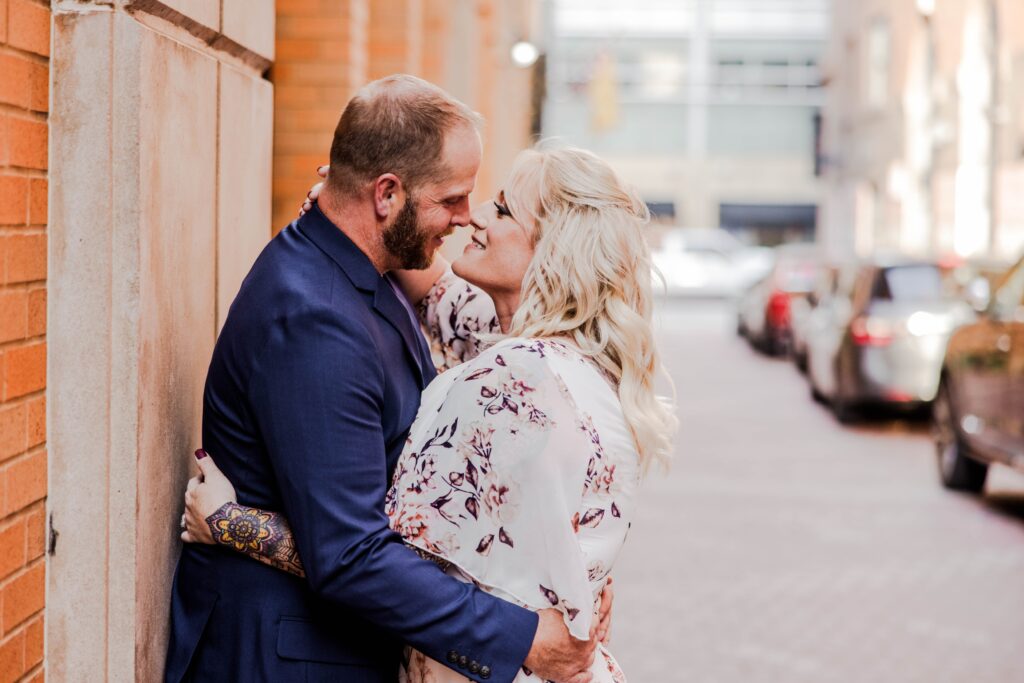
314 382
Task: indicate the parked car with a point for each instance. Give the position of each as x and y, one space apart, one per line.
708 262
764 310
978 417
880 340
824 290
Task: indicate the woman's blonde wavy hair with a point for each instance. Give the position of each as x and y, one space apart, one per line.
590 279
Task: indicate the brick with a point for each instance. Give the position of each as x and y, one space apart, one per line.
24 596
26 140
38 677
37 198
13 197
13 314
3 21
35 530
36 312
13 430
34 642
12 658
39 87
28 26
24 370
26 258
15 84
12 547
26 481
36 421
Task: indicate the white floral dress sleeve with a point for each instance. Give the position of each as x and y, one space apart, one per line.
453 315
512 478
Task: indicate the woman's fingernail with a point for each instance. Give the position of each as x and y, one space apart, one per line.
320 169
200 454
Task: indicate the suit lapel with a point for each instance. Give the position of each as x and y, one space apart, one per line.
357 267
386 303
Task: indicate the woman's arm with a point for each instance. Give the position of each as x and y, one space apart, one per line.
262 535
415 284
213 516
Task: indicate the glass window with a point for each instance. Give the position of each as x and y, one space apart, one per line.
908 283
1009 299
878 48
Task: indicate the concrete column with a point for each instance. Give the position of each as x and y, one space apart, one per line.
160 201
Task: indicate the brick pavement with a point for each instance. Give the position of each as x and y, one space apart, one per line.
783 547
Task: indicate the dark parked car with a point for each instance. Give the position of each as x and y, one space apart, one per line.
978 417
764 310
881 339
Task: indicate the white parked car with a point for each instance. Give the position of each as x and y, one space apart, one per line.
708 262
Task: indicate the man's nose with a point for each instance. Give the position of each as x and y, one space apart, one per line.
462 216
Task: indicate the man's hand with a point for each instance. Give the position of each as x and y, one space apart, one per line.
556 655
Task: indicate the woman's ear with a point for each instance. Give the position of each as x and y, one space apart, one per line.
388 195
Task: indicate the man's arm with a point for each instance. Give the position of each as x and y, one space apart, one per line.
318 396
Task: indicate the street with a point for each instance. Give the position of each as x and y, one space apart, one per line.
784 547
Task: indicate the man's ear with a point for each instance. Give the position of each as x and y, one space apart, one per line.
388 195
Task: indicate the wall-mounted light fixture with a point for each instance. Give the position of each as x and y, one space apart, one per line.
524 54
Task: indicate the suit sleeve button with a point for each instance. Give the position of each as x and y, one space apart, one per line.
453 656
463 661
474 667
485 672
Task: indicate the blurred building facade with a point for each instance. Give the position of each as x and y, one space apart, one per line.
148 151
923 135
708 106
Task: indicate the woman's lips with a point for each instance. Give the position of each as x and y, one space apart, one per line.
478 243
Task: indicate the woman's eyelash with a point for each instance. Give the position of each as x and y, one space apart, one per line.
502 210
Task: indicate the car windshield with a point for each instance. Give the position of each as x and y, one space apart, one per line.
909 283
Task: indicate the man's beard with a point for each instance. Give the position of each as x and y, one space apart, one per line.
405 242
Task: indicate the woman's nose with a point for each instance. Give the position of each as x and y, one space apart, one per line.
479 218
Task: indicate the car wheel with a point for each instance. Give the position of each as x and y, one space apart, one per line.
957 470
843 409
800 359
842 406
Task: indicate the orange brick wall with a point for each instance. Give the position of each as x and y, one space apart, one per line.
24 98
328 48
320 61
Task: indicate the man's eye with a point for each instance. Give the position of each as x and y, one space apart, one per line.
452 201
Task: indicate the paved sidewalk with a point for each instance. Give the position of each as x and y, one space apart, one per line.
783 547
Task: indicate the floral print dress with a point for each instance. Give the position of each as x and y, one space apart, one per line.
519 473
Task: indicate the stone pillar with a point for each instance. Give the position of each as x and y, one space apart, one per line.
160 201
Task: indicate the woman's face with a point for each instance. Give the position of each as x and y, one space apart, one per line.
500 251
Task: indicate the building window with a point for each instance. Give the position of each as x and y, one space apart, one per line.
878 57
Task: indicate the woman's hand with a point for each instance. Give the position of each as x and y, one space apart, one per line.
204 495
314 192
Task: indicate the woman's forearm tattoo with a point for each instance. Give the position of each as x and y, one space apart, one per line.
262 535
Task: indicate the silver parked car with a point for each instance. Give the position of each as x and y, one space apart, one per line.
764 311
881 337
708 262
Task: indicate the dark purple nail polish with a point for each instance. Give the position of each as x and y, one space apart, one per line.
200 454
